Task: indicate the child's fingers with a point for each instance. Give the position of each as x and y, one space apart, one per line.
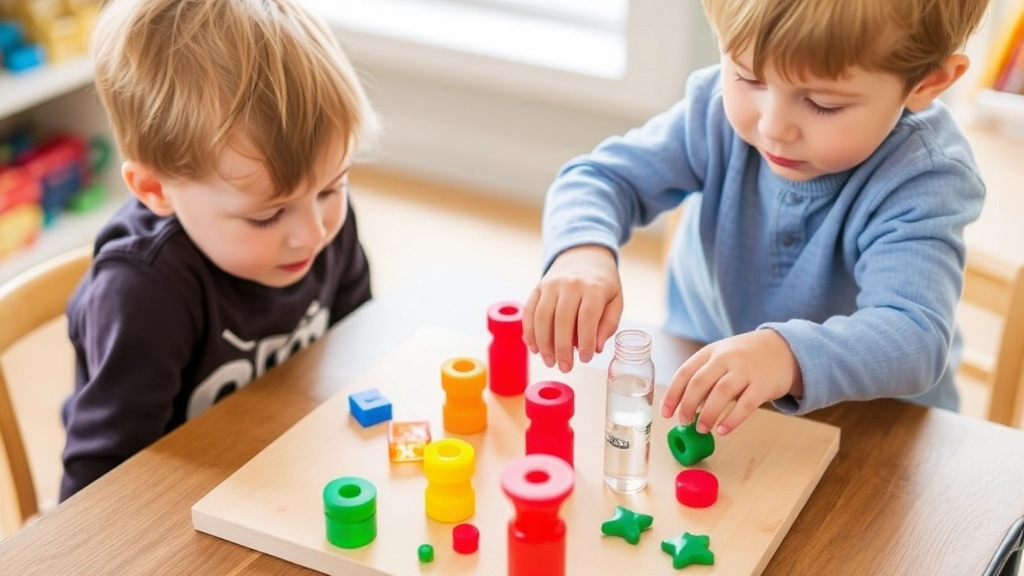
744 407
727 389
528 320
609 321
543 326
679 382
566 314
697 390
586 326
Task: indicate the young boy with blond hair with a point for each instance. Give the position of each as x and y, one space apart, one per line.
237 121
821 251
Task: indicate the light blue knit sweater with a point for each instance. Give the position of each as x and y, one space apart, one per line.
859 271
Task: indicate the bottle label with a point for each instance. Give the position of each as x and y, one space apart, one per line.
616 442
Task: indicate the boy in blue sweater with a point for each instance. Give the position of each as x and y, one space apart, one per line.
826 191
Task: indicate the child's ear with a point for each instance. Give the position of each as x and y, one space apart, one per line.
147 186
935 83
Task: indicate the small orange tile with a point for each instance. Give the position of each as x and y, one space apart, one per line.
406 440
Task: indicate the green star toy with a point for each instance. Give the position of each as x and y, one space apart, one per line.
689 549
627 524
689 446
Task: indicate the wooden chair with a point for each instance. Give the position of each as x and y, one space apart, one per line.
993 285
27 302
997 286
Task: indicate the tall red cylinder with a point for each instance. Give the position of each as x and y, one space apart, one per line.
507 355
549 406
537 484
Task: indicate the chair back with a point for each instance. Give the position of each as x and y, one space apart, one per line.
27 302
997 286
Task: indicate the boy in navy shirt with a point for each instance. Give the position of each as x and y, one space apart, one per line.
237 121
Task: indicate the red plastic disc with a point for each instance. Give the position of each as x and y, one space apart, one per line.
465 538
696 488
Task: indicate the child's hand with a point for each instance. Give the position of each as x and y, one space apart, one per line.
750 369
578 301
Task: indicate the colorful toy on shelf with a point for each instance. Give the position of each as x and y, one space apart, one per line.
449 465
350 510
21 216
15 143
369 407
61 27
64 165
507 358
16 54
464 380
549 406
42 178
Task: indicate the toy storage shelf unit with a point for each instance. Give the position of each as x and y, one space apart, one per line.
1000 108
20 92
57 96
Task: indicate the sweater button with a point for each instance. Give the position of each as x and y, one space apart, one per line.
793 198
789 240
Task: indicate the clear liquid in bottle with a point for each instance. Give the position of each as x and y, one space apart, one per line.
629 413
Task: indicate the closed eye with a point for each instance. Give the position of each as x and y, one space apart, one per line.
750 81
340 186
823 110
266 222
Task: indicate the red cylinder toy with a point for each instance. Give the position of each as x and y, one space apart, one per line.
549 406
507 355
537 484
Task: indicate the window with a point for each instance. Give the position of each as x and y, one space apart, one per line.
625 56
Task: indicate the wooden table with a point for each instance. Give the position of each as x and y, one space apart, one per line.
912 491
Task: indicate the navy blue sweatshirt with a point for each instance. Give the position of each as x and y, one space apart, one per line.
161 333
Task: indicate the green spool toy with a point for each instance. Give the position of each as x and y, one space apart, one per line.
689 446
350 508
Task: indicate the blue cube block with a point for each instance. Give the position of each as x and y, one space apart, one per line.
369 407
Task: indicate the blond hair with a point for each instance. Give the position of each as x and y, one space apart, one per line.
908 38
181 78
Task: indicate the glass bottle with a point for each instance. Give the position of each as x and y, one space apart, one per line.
628 413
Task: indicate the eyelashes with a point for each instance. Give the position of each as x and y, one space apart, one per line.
264 223
809 103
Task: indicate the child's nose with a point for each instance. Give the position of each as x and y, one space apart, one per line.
308 230
774 123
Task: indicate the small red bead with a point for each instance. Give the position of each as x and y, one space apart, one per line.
696 488
465 538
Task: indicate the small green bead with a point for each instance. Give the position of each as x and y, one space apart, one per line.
689 446
426 553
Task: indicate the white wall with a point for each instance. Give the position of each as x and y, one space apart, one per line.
511 144
503 143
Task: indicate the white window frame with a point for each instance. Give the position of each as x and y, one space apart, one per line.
637 74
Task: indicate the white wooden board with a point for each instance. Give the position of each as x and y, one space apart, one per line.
767 469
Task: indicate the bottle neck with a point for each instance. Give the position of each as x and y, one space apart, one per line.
633 346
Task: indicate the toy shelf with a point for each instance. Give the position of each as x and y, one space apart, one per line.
1002 108
20 92
69 232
